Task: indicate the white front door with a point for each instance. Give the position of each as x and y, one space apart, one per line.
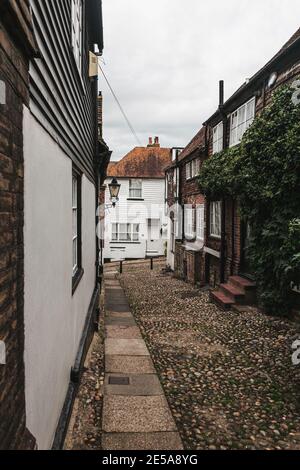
154 240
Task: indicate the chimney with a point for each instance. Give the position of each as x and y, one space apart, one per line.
156 142
100 115
150 142
221 92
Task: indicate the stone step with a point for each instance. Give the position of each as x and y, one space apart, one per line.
222 300
242 283
234 293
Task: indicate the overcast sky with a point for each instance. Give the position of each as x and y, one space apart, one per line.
164 59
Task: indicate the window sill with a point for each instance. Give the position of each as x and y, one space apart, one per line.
76 280
135 199
124 243
215 237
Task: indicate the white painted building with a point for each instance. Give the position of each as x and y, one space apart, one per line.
137 226
63 173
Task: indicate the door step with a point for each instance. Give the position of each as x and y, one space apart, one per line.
237 291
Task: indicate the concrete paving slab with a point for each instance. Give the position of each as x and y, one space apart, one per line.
129 365
112 314
115 321
137 414
139 385
142 441
126 347
122 332
115 307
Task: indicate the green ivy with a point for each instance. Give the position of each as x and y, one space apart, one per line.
263 174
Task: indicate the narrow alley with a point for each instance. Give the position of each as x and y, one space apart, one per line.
227 376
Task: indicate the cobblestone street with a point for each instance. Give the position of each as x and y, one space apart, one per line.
228 376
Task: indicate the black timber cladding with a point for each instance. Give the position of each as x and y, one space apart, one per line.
62 99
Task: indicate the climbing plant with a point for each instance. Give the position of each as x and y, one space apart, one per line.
263 173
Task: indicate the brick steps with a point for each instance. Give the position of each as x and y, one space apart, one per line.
238 291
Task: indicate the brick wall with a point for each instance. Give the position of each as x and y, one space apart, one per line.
233 238
14 74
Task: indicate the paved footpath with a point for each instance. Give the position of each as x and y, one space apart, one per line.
136 414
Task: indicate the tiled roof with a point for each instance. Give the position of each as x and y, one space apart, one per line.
142 162
295 36
196 143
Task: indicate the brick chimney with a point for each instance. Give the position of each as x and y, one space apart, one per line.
156 142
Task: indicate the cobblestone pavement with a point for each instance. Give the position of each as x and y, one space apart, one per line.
228 376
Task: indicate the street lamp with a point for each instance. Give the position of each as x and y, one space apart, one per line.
114 189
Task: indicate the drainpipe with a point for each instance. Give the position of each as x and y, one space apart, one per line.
233 235
223 222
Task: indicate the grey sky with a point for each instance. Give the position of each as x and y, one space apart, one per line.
164 59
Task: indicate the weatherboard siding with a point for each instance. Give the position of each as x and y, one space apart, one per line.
61 100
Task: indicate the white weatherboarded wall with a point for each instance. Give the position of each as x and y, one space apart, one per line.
152 206
54 319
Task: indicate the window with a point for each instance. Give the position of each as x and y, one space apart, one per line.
76 224
215 219
192 168
77 32
188 171
125 232
135 189
189 222
240 121
218 138
173 233
200 222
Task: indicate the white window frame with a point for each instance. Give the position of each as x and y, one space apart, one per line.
135 189
192 168
218 138
200 222
188 171
75 223
125 232
215 219
77 32
189 222
240 120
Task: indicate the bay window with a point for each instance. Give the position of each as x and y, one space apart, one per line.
200 222
189 222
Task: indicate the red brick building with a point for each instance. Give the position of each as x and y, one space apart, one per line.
223 260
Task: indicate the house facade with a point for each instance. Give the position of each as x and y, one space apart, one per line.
222 260
60 161
136 227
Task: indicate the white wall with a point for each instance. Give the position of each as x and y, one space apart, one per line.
151 207
53 318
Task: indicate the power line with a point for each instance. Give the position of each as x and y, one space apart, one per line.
120 107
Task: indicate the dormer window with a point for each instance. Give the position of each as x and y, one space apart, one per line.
77 43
